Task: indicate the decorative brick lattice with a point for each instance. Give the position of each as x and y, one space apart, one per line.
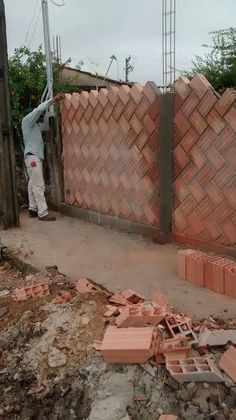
110 141
204 162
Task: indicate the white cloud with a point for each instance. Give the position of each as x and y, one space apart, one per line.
97 29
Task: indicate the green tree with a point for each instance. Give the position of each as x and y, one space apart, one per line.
219 64
27 75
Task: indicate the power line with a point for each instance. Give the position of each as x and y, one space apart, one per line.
59 5
36 25
29 28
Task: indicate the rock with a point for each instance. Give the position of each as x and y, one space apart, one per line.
3 311
160 411
194 353
201 401
191 413
56 358
115 394
187 394
206 386
4 293
149 369
171 383
220 416
85 320
191 385
213 408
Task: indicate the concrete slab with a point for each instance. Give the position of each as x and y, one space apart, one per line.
113 259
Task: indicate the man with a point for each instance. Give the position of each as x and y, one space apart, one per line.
34 156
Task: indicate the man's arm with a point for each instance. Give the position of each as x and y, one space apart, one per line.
34 116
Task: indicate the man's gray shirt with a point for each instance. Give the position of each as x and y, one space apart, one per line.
31 130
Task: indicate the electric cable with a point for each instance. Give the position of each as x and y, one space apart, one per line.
59 5
30 25
36 25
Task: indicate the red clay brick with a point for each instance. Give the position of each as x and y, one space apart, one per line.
150 92
182 122
200 85
182 262
175 348
215 121
207 103
198 122
190 104
230 117
179 326
84 286
61 299
182 87
161 300
141 315
228 363
33 291
230 281
226 101
195 269
129 345
189 139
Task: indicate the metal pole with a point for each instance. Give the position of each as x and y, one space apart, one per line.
47 48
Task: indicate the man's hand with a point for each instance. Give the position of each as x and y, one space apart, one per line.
59 97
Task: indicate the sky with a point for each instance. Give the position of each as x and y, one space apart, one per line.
94 30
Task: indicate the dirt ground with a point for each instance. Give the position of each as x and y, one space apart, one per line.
49 369
113 259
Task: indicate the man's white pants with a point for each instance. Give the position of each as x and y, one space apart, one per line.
36 186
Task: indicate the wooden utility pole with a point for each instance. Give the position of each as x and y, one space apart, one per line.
9 216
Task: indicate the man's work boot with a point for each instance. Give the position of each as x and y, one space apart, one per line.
47 218
33 213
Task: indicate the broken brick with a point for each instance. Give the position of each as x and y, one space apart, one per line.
141 315
111 310
180 326
34 291
127 297
168 417
129 345
132 297
175 348
66 297
228 363
216 338
161 300
85 286
199 369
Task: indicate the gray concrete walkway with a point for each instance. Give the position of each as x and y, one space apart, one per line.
113 259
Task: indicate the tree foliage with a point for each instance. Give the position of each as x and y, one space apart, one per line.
27 77
219 64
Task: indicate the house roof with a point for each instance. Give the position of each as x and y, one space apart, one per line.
97 76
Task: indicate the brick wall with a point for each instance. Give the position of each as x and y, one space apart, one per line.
110 142
204 163
111 158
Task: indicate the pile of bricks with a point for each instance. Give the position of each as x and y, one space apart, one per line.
149 331
215 273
